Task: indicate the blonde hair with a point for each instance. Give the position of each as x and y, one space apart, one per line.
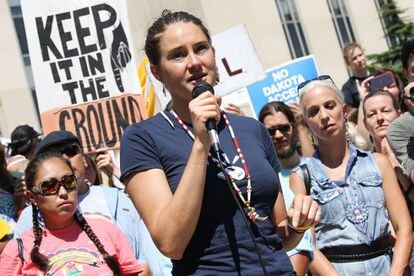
349 49
319 83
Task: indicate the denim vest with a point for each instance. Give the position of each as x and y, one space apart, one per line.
353 211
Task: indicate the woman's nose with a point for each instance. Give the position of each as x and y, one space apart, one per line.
193 61
380 116
62 192
324 113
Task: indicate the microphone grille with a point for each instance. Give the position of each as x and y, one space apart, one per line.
201 87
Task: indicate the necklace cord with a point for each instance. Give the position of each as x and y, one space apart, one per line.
243 214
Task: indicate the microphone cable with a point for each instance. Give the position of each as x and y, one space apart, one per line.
243 214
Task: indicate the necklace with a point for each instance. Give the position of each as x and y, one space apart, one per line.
251 211
356 210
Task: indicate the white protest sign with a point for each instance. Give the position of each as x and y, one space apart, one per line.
236 59
85 78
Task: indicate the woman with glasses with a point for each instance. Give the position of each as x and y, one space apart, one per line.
66 243
357 191
175 180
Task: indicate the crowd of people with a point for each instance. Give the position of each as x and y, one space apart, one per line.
320 187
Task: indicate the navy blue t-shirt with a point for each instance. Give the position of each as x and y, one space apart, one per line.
221 242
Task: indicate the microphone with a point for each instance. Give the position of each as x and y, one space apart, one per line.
199 88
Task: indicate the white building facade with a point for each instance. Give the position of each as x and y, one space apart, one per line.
280 30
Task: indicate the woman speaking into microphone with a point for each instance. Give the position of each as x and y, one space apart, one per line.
175 178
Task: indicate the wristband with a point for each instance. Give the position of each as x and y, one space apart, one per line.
299 229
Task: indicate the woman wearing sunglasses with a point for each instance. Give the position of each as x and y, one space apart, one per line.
67 242
356 190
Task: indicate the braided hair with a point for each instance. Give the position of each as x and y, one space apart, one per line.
39 259
110 260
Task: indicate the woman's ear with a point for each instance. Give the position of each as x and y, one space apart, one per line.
156 72
345 110
30 196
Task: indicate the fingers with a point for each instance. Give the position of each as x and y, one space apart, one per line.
205 107
363 87
295 108
304 212
233 109
103 160
313 214
408 87
297 210
20 188
101 150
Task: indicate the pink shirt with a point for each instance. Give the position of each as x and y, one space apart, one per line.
71 252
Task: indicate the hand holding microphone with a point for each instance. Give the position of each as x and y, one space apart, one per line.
207 109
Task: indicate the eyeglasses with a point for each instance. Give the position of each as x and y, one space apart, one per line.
68 150
52 186
321 78
282 128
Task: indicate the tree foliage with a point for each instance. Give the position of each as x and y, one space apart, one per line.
399 29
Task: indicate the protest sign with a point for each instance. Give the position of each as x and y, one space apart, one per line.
236 59
281 82
239 98
86 81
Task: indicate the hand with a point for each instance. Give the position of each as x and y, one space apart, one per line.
303 213
105 163
363 88
387 151
203 108
234 109
20 193
297 113
407 88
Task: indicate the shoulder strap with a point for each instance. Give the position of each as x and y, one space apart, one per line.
20 249
116 206
306 177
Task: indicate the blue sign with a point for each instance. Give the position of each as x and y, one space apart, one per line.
281 83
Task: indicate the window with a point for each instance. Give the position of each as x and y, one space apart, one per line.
17 16
341 22
21 33
292 28
388 21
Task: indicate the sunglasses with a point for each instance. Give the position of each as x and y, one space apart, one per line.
68 150
52 186
282 128
320 78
